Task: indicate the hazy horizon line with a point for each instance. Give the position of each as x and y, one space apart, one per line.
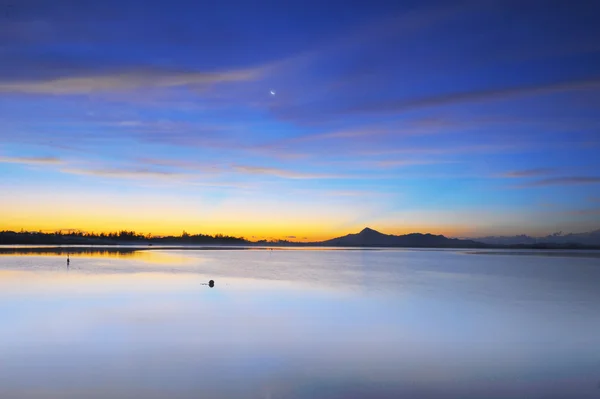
254 238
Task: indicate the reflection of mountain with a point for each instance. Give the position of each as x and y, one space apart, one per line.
371 238
592 238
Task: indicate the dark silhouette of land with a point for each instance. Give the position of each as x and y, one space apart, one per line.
371 238
364 239
591 238
122 238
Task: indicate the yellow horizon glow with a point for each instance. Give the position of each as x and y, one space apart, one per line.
306 232
252 218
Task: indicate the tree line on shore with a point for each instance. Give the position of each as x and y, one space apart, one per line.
125 236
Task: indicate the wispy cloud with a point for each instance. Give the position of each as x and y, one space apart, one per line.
477 95
405 128
125 173
283 173
527 173
588 211
378 154
126 80
153 176
338 134
181 164
467 149
129 123
348 193
563 181
367 73
32 160
411 162
226 136
357 193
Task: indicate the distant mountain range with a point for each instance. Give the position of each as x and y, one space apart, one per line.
372 238
591 238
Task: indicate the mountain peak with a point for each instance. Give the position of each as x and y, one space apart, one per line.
372 238
368 230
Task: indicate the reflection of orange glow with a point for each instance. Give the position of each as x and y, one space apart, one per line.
63 252
155 257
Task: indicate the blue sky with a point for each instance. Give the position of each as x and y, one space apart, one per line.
462 118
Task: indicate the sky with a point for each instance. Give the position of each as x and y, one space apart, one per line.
300 120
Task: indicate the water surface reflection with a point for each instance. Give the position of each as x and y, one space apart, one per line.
298 324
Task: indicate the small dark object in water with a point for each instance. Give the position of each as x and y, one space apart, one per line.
211 283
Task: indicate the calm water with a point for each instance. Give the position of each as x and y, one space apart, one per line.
299 324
